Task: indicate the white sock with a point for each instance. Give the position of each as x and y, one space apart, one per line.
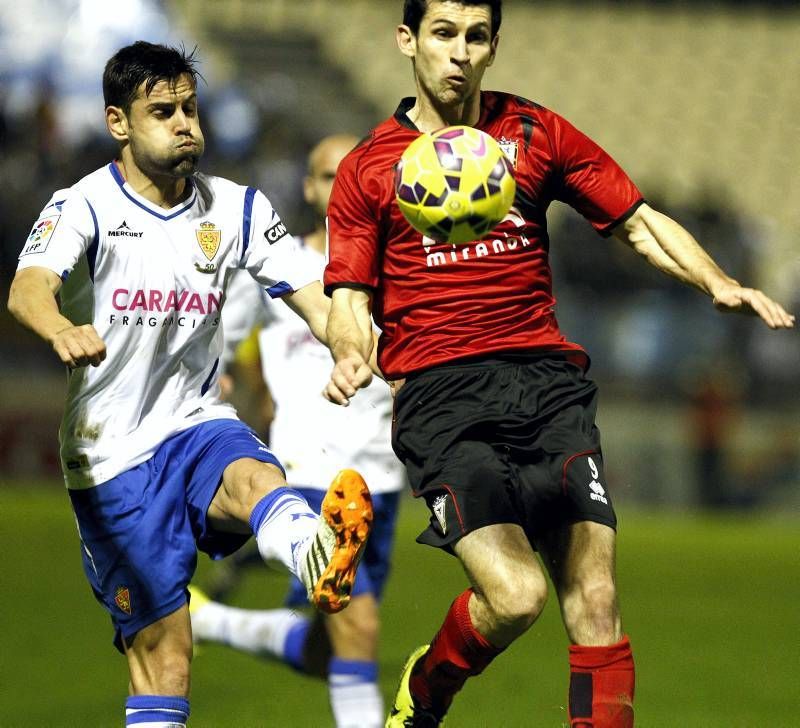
355 698
257 631
283 523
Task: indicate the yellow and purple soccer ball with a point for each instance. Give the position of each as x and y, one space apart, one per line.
454 185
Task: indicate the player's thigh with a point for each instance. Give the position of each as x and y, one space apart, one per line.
579 555
137 545
244 483
376 562
160 654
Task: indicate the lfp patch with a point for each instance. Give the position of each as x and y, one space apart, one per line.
40 235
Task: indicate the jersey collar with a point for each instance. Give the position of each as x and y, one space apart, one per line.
145 204
488 102
401 115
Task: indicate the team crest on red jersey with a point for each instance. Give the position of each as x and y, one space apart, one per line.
122 598
208 238
509 147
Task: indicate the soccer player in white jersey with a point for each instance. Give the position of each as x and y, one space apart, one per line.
156 465
312 436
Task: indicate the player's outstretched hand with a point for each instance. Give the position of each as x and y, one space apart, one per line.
735 299
349 375
79 346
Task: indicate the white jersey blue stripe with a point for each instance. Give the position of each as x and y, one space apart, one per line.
152 282
314 438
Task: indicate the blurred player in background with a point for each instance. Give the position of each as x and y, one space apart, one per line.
494 416
155 464
312 436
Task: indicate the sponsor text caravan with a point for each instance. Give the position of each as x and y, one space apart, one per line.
142 301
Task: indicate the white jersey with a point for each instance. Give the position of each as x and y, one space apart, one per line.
152 282
313 437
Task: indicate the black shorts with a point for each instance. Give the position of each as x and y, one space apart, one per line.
509 440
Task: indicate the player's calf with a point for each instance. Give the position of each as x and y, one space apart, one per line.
590 612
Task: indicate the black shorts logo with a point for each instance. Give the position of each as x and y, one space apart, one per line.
439 505
598 492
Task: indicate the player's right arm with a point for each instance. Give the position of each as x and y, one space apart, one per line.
352 276
351 341
32 301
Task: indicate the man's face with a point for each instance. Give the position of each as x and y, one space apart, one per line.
452 50
323 163
163 129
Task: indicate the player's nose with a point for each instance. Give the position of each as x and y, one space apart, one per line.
458 50
182 122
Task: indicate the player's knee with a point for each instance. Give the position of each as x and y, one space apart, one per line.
358 625
260 481
517 605
369 627
245 483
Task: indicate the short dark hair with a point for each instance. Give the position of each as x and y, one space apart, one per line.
144 62
414 11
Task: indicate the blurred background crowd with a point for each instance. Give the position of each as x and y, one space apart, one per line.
698 101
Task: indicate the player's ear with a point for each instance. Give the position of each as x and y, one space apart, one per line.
117 123
493 51
406 41
308 190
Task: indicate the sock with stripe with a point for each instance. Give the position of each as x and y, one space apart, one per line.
458 651
601 686
262 632
282 522
355 698
156 711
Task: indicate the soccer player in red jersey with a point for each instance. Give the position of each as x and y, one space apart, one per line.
494 416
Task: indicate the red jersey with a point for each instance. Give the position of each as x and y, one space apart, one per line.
436 302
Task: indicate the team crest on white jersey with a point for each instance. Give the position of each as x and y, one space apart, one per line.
439 505
208 238
509 147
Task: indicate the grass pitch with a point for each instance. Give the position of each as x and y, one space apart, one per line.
711 604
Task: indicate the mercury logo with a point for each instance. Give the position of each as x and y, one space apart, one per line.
123 231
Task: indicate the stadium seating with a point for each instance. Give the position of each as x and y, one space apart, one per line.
686 97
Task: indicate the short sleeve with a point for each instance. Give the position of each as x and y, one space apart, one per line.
65 230
269 252
353 233
591 181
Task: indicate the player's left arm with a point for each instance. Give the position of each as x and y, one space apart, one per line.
312 305
668 246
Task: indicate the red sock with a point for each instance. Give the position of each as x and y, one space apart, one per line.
457 652
601 686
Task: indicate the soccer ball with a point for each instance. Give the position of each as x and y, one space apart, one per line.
455 184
